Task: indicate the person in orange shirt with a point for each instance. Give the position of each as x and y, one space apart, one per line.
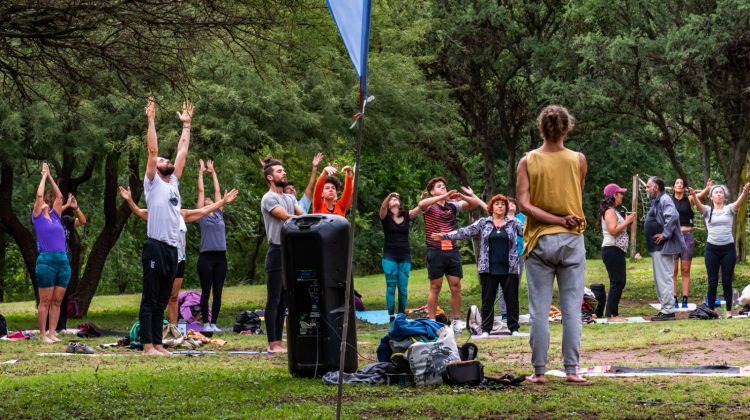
325 195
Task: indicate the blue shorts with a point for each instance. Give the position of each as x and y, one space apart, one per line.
52 269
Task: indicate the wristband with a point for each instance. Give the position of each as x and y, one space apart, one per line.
186 126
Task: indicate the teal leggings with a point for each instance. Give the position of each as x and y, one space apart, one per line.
396 277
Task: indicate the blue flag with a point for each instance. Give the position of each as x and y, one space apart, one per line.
352 17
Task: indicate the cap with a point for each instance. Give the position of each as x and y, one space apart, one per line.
612 189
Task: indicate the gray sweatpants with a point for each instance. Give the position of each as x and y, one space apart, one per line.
563 256
663 271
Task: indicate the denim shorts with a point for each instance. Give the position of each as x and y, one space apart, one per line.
52 269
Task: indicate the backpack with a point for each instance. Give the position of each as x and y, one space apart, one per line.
247 321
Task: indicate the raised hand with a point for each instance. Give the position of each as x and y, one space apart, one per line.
150 108
467 190
125 193
317 159
437 236
72 202
210 166
231 195
186 116
347 170
202 168
746 188
45 170
330 170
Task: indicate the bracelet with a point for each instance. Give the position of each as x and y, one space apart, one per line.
185 126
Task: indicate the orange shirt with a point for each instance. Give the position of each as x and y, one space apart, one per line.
341 206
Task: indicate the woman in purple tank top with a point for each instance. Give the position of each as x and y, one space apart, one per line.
52 266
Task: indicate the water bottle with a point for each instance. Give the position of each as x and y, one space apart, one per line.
182 327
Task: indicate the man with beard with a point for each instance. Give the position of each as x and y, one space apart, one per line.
161 186
663 240
277 207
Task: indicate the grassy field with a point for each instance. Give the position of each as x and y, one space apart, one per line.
124 384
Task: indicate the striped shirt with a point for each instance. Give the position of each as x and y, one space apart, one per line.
441 219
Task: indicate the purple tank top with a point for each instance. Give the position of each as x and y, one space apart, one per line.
49 232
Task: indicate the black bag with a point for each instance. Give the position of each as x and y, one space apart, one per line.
468 351
601 298
247 320
3 326
470 372
703 312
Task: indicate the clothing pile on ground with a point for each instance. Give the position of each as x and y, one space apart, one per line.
172 338
248 321
423 352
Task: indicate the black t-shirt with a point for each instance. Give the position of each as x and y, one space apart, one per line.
684 210
68 224
651 227
396 238
499 251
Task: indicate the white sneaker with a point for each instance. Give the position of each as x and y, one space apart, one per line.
215 328
207 327
484 335
516 334
458 326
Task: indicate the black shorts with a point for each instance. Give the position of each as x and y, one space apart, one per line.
180 270
440 263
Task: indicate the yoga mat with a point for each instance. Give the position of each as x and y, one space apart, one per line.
479 337
242 353
374 317
623 371
629 320
690 308
84 354
192 352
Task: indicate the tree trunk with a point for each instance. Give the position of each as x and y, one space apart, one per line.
115 219
2 264
23 237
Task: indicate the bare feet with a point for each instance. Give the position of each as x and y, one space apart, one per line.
276 347
160 348
537 379
47 340
575 379
54 338
616 319
152 352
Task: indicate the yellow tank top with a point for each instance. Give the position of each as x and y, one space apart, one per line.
554 186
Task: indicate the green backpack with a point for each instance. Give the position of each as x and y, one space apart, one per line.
135 335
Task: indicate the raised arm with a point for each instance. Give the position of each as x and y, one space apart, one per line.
696 201
425 203
201 191
128 197
704 192
217 190
80 217
39 199
186 116
152 143
524 202
311 182
743 195
470 200
414 212
195 214
384 206
57 205
473 229
345 200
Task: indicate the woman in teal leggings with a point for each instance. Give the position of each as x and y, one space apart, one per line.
396 250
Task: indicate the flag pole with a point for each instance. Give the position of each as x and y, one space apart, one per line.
349 274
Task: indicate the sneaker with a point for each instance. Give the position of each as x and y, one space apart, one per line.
458 326
663 317
515 333
684 302
676 305
207 327
215 328
484 335
76 347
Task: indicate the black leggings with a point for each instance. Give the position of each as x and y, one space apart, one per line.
159 266
276 299
614 261
509 285
212 269
723 256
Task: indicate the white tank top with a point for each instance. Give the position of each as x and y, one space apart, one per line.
621 240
